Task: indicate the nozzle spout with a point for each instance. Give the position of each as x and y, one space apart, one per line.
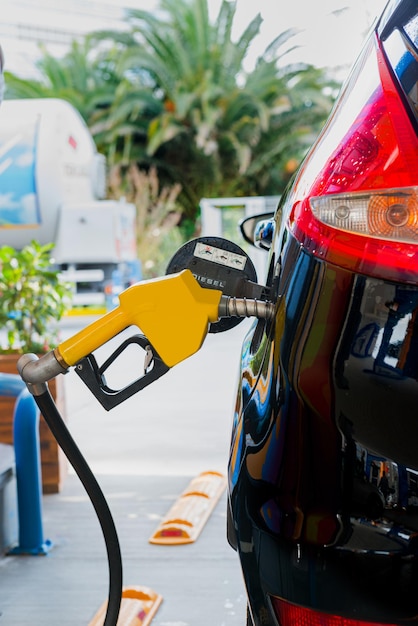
246 307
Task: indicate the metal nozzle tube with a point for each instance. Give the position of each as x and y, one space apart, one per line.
244 307
34 370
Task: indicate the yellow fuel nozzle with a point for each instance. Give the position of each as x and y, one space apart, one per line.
173 312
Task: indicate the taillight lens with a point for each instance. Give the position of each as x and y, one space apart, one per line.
289 614
388 214
356 194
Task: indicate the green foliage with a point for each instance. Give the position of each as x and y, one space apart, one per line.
171 92
33 298
210 126
85 77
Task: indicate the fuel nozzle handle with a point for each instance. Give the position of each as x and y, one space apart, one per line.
173 312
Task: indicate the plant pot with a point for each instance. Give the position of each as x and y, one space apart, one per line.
54 464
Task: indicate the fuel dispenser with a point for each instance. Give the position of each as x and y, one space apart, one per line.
210 286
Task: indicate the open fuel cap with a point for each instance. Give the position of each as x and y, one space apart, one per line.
217 263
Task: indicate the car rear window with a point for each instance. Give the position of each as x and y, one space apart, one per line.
401 47
411 30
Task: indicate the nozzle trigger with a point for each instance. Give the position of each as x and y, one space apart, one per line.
93 375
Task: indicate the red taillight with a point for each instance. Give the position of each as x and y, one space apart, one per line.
360 209
289 614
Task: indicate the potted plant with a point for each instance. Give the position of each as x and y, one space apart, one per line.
33 298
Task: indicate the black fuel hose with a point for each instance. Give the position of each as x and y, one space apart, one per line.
61 433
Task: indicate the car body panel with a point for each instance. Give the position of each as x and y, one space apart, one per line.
343 386
323 469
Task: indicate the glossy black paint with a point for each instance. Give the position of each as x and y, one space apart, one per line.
328 400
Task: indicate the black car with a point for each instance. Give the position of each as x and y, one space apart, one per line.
323 466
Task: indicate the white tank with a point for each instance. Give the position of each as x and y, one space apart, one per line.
47 159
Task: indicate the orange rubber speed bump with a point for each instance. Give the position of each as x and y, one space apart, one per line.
138 607
188 515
